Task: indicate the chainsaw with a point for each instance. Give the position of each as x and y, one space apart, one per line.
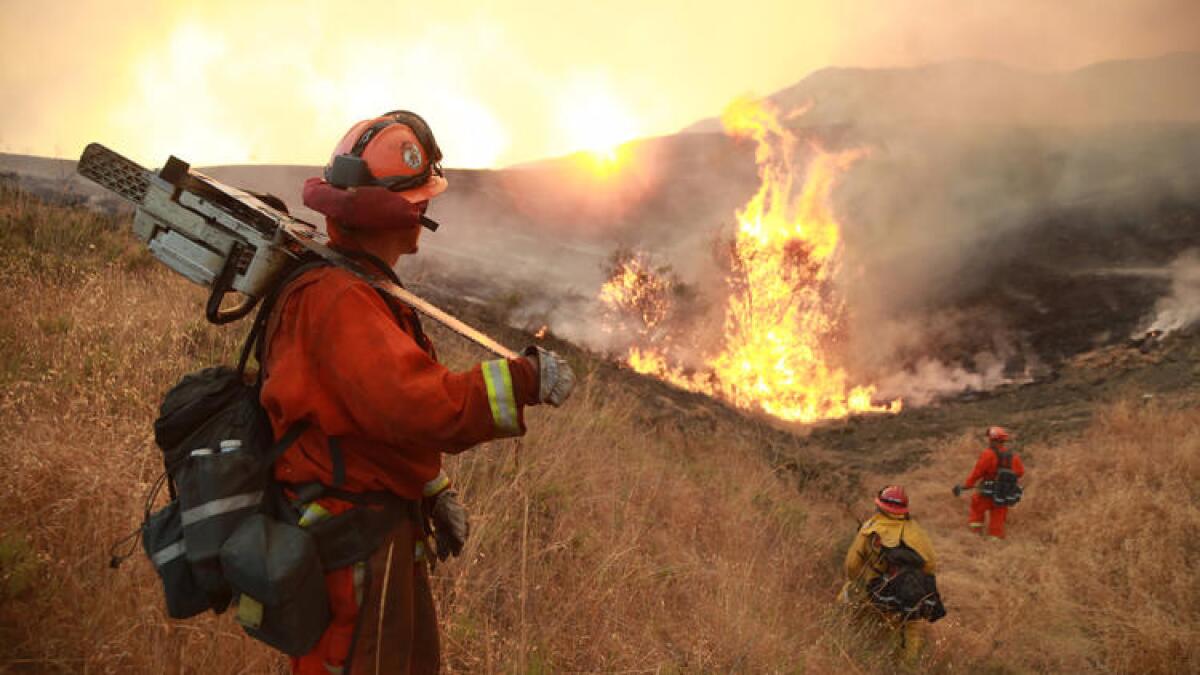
230 240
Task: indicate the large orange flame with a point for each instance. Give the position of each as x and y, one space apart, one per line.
782 309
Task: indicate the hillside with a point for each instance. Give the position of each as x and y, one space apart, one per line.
635 529
980 93
992 249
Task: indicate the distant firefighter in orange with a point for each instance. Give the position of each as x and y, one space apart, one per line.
996 472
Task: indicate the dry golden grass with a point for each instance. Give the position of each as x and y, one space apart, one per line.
602 542
1097 572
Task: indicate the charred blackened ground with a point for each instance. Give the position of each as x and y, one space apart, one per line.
1072 281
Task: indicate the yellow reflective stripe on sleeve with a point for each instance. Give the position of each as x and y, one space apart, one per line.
436 485
500 395
313 513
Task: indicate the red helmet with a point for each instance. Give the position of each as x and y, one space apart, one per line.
892 499
997 434
396 150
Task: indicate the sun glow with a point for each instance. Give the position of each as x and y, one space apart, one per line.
592 119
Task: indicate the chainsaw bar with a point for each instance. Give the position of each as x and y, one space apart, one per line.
110 170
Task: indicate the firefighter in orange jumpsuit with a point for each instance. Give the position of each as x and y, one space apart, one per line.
381 409
995 464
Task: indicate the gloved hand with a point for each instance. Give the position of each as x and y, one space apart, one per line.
958 490
450 525
556 380
449 518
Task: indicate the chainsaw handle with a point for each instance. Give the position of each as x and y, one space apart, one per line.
222 286
214 313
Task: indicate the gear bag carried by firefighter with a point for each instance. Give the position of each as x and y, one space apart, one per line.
891 562
996 473
889 576
903 587
229 534
1003 490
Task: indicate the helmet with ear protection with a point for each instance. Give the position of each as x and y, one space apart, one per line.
396 150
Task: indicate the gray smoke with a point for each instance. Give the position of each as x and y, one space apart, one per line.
964 238
1181 308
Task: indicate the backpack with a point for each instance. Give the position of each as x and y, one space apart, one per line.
230 534
1003 489
903 587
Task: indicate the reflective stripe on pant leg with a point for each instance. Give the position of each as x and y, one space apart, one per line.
979 507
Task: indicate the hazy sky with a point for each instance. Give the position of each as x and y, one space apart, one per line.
279 81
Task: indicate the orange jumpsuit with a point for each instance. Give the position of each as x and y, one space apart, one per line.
339 357
985 469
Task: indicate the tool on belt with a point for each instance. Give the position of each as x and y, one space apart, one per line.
228 239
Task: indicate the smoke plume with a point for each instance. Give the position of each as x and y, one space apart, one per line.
1181 308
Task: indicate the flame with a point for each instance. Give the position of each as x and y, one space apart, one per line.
636 290
782 310
652 362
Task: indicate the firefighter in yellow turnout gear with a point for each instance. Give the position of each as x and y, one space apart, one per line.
889 574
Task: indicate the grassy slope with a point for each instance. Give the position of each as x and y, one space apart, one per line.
622 534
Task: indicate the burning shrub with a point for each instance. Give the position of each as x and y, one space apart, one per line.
782 312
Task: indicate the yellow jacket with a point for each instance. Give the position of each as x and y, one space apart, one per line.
881 529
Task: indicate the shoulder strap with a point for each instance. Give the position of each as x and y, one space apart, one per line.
254 344
396 306
1003 459
286 441
253 341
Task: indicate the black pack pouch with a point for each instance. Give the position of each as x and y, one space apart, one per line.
276 571
162 538
216 493
216 489
914 595
905 589
1005 490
